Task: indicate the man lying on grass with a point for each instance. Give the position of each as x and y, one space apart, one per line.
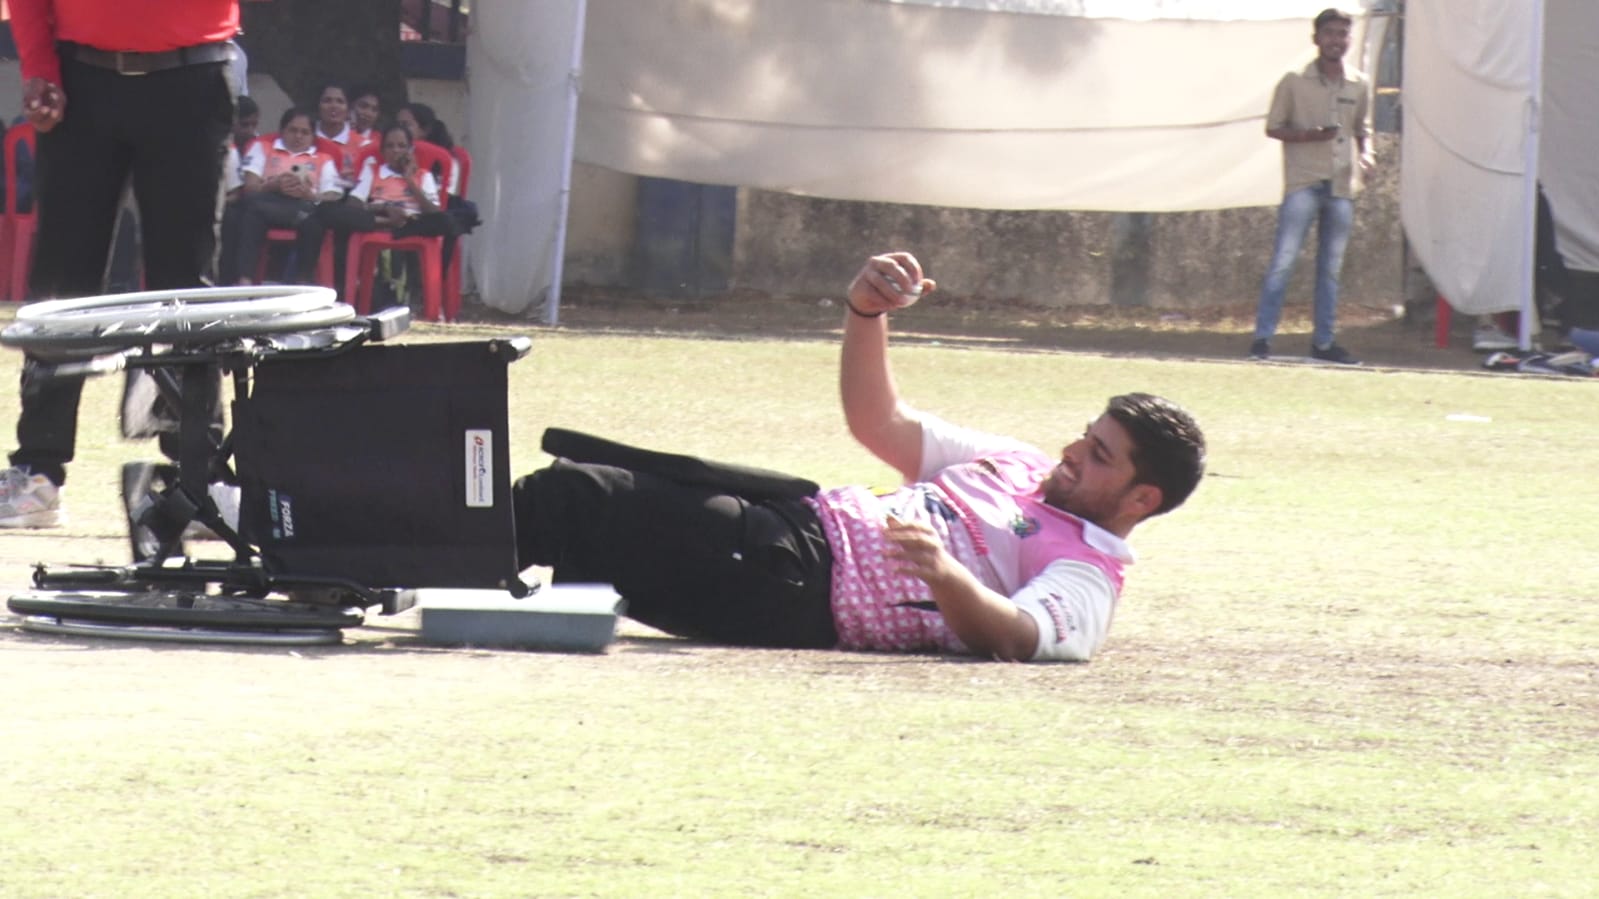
990 547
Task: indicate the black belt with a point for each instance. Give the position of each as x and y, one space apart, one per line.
144 63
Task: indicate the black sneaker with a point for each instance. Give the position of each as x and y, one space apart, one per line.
1334 353
1260 349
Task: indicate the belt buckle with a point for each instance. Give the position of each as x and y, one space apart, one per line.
126 64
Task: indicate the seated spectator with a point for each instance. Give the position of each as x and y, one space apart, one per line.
424 125
365 112
246 124
284 178
392 195
333 127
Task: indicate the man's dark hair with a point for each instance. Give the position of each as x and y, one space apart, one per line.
1168 448
1333 15
246 107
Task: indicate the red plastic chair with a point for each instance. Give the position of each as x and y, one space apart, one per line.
324 261
17 228
438 303
441 293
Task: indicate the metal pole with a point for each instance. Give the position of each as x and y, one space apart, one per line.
552 307
1532 128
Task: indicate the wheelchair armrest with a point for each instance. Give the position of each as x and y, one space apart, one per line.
512 348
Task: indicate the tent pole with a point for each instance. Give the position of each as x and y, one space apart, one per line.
574 88
1529 200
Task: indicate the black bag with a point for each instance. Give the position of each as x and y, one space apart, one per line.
464 213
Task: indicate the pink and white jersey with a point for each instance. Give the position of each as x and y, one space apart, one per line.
982 495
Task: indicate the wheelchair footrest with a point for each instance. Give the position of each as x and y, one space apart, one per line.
564 618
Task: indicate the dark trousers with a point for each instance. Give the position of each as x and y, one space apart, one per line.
262 211
691 561
344 217
168 132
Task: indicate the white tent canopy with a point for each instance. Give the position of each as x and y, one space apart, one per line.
1498 96
1132 105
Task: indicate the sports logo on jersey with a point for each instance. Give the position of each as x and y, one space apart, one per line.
1024 525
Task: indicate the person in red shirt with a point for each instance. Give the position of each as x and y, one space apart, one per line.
140 91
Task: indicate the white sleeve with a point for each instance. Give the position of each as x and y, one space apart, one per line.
254 159
944 444
363 185
329 182
1072 604
430 187
232 173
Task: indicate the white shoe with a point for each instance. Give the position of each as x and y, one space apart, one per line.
28 500
1488 338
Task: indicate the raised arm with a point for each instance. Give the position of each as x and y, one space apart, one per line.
872 407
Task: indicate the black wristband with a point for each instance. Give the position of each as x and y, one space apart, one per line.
852 309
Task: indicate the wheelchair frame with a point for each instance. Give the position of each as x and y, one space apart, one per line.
188 340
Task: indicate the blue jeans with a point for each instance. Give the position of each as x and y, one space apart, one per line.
1334 215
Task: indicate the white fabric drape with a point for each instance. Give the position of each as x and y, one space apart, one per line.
1569 162
519 60
1484 91
992 104
909 103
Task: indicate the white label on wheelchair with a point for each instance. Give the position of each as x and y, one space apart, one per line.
479 469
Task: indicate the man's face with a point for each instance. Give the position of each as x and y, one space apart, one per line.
1332 40
1095 473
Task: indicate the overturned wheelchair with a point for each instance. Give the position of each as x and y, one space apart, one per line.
364 470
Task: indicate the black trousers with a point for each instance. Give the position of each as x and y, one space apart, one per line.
260 212
343 218
168 132
691 561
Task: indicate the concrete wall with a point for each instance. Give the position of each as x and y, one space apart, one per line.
599 226
802 246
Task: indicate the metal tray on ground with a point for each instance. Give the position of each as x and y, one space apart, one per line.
556 618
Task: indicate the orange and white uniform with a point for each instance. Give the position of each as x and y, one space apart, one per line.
381 184
267 160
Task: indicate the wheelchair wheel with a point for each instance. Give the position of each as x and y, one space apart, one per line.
191 316
45 624
181 609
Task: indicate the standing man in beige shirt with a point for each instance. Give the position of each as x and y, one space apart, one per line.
1322 114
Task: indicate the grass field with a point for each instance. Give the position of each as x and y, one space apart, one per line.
1361 661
